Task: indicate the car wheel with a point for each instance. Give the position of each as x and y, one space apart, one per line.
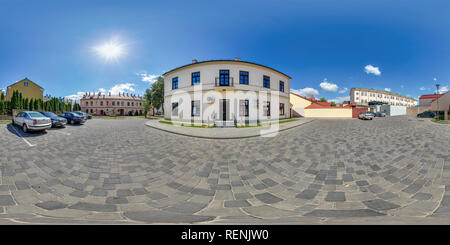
25 128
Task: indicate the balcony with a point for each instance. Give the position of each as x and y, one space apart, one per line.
224 83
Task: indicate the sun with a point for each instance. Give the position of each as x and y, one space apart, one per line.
111 50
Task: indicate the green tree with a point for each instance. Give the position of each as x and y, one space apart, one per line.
31 104
323 99
157 93
333 104
2 96
147 106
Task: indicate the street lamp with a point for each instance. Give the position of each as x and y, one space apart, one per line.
437 102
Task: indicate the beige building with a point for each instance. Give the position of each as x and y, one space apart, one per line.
361 96
225 92
28 88
442 104
298 104
112 105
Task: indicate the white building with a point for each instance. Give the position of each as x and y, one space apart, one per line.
225 92
363 96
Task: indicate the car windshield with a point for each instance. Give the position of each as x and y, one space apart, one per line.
35 114
49 114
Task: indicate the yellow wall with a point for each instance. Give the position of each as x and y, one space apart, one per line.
326 112
32 91
298 104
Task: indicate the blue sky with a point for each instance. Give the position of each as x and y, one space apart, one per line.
323 45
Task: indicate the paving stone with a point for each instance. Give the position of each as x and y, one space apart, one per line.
116 200
334 196
6 200
362 183
241 196
268 198
94 207
380 204
203 192
156 195
344 213
422 196
51 205
307 194
140 191
236 204
152 216
186 207
124 193
80 194
22 185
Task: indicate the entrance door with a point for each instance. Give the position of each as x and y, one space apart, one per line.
224 109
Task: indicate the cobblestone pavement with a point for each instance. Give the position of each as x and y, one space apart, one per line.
389 170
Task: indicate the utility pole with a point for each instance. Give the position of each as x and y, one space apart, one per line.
437 101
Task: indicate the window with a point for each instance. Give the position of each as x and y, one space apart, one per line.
113 103
243 108
101 102
195 108
267 108
266 82
92 103
281 109
107 102
175 83
175 109
224 77
25 83
87 103
122 103
281 86
128 103
195 78
243 77
118 103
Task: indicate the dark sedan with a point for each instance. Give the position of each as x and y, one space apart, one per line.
57 121
84 114
73 118
429 114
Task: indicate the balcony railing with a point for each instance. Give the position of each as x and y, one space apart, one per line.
224 82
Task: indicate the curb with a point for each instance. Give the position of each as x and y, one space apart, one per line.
225 138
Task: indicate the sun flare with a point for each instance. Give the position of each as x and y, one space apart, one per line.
111 50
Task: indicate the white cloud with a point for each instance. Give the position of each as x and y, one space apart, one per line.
328 86
422 88
388 89
434 79
343 91
307 92
121 88
370 69
443 89
75 97
339 100
149 78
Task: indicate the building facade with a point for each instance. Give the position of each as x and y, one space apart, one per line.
220 91
28 88
298 104
361 96
426 99
112 105
442 104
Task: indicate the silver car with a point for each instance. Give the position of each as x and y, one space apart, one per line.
366 115
32 121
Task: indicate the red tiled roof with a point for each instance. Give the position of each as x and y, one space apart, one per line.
324 103
430 96
318 106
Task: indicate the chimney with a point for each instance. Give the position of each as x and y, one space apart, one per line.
109 93
237 59
194 61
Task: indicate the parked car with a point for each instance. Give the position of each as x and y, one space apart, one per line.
429 114
373 113
73 118
366 115
57 121
85 115
380 114
32 121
